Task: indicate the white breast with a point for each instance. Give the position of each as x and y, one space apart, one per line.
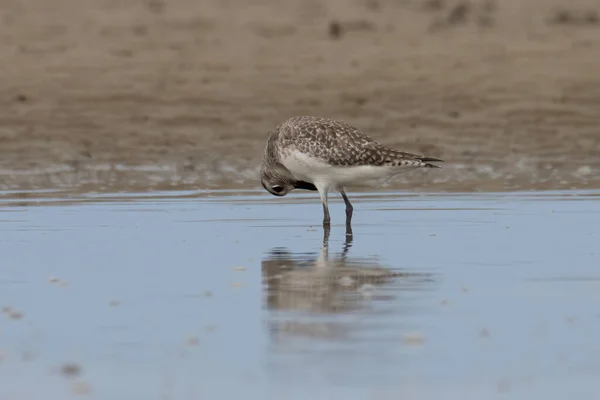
311 169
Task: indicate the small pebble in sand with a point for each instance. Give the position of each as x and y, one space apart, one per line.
414 339
11 313
346 281
54 280
81 387
239 269
15 315
584 170
193 341
70 369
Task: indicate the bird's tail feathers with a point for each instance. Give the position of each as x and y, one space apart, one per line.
428 160
398 158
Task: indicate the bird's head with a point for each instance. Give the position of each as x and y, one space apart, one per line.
277 180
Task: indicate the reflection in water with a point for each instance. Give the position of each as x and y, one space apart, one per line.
323 284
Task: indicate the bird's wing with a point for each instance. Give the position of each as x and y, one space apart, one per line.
340 144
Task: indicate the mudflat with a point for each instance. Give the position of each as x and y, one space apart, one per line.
185 296
181 93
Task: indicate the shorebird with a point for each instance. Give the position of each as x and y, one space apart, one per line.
315 153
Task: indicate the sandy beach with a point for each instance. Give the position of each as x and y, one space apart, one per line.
182 94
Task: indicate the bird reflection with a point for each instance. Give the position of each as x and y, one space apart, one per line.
322 284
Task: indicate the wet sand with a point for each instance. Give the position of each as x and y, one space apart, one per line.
179 296
182 94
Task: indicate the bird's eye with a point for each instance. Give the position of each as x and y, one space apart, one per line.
277 189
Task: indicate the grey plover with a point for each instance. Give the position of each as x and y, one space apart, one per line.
315 153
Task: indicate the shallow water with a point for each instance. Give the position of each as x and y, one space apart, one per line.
218 295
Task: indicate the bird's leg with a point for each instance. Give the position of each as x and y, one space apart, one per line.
326 218
323 259
347 244
349 210
326 233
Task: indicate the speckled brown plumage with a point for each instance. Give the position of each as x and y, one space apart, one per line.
338 144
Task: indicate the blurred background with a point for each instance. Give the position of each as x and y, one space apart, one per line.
157 94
